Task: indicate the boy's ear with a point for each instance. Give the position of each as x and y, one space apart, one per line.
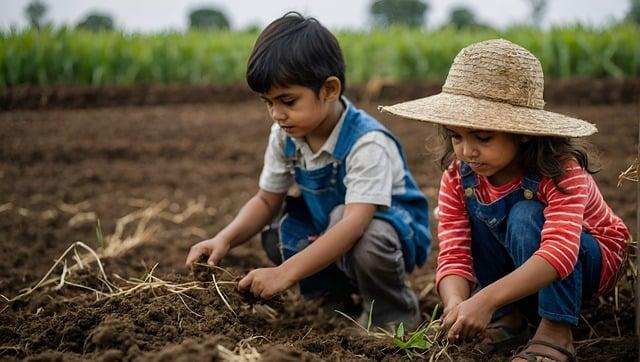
331 89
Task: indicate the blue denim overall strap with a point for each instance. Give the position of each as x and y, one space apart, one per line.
323 189
507 232
494 214
408 212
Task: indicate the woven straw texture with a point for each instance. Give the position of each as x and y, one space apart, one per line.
493 85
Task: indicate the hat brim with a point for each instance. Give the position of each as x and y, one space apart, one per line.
469 112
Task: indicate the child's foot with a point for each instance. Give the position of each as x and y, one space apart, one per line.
505 334
552 342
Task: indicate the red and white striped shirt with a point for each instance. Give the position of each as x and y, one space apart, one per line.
566 215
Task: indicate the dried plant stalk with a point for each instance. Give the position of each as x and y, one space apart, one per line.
630 174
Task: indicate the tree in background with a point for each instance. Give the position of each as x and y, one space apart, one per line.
464 18
405 12
538 11
96 22
35 12
633 16
208 18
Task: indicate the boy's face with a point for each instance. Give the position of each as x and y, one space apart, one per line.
489 153
298 110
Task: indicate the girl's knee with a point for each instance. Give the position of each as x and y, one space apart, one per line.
524 229
526 212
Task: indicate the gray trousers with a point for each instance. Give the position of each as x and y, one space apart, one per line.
376 266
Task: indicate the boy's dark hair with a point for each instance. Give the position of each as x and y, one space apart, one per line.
294 50
544 154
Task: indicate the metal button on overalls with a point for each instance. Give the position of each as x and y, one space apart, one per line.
528 194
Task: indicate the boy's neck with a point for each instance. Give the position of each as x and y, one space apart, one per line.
319 136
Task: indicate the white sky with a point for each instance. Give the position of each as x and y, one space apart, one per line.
157 15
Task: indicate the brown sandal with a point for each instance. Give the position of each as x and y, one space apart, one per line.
531 356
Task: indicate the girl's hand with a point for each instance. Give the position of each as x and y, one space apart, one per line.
450 313
266 282
470 318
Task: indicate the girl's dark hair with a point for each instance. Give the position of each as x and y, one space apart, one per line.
544 154
294 50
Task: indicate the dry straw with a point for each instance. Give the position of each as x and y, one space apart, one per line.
118 243
630 174
493 85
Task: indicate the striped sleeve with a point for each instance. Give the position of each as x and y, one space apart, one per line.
560 240
454 232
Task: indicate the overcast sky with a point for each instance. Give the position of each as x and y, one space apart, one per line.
158 15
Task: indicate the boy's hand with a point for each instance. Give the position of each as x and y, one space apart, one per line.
468 318
216 248
266 282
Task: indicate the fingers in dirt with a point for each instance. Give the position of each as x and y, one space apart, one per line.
193 255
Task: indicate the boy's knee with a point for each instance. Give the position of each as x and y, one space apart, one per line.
378 248
336 215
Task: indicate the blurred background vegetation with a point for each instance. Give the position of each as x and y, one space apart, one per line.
397 47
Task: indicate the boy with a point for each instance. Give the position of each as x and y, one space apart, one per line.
360 221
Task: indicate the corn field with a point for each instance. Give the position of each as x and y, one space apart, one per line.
66 56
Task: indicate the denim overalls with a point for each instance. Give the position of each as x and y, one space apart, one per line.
323 189
507 232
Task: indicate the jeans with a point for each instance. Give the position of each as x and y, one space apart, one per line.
493 258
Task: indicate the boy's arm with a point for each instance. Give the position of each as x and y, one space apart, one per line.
266 282
335 242
251 218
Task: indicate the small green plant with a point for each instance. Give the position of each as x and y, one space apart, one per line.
418 340
99 237
409 343
367 329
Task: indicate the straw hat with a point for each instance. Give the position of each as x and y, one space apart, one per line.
493 85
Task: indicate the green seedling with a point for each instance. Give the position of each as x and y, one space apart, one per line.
409 343
417 341
368 328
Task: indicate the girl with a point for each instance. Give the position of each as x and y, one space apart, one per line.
519 213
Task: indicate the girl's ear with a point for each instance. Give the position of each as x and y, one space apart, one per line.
331 89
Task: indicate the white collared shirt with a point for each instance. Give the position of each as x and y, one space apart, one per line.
374 169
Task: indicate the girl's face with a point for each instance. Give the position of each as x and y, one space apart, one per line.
489 153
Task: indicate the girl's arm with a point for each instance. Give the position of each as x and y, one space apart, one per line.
453 290
251 218
266 282
535 274
454 274
471 317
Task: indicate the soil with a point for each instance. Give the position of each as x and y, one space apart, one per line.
66 165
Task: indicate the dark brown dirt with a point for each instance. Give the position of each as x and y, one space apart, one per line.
564 91
112 161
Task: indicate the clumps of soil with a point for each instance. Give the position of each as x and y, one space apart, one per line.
150 155
191 349
201 270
